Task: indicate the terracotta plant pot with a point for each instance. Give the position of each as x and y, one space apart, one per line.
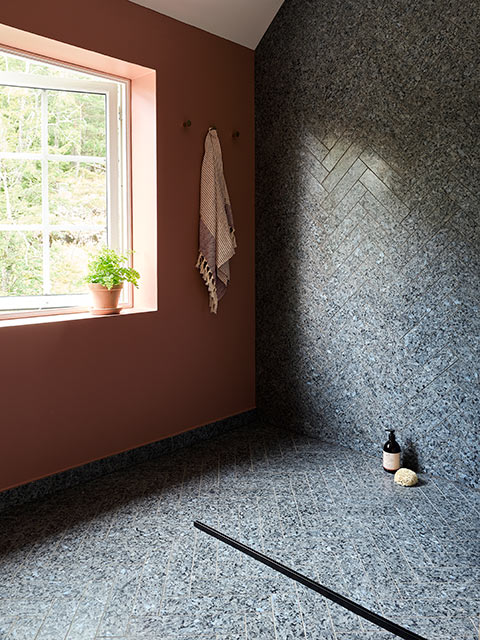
105 301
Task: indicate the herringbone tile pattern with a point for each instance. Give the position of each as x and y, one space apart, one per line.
392 285
119 558
368 235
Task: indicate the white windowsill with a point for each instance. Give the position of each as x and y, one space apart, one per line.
15 322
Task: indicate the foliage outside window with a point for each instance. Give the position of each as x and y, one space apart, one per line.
62 180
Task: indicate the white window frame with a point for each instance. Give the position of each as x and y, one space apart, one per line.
117 183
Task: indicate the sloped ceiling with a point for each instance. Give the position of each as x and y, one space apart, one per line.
242 21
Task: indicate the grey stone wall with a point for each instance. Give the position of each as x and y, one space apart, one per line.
368 244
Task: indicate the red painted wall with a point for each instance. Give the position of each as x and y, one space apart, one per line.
75 391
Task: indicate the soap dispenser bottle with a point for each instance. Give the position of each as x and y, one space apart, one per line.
391 453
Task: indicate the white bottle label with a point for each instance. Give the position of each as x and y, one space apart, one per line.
391 461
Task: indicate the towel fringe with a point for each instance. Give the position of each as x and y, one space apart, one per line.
207 275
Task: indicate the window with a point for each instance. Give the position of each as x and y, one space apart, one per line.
63 180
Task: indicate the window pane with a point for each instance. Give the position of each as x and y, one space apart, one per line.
20 263
20 119
69 253
20 191
76 123
44 69
54 193
9 62
77 193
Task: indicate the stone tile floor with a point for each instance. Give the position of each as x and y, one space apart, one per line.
119 557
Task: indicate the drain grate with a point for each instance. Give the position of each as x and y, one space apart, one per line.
380 621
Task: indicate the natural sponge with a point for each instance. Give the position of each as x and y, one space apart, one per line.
406 477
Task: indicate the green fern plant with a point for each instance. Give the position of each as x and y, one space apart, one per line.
108 268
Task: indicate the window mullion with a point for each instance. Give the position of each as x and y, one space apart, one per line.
45 209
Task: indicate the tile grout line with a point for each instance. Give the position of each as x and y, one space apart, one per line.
273 616
134 598
81 598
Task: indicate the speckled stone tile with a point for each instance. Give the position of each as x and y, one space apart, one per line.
6 625
367 257
119 558
26 627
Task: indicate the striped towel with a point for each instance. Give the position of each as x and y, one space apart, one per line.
217 234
